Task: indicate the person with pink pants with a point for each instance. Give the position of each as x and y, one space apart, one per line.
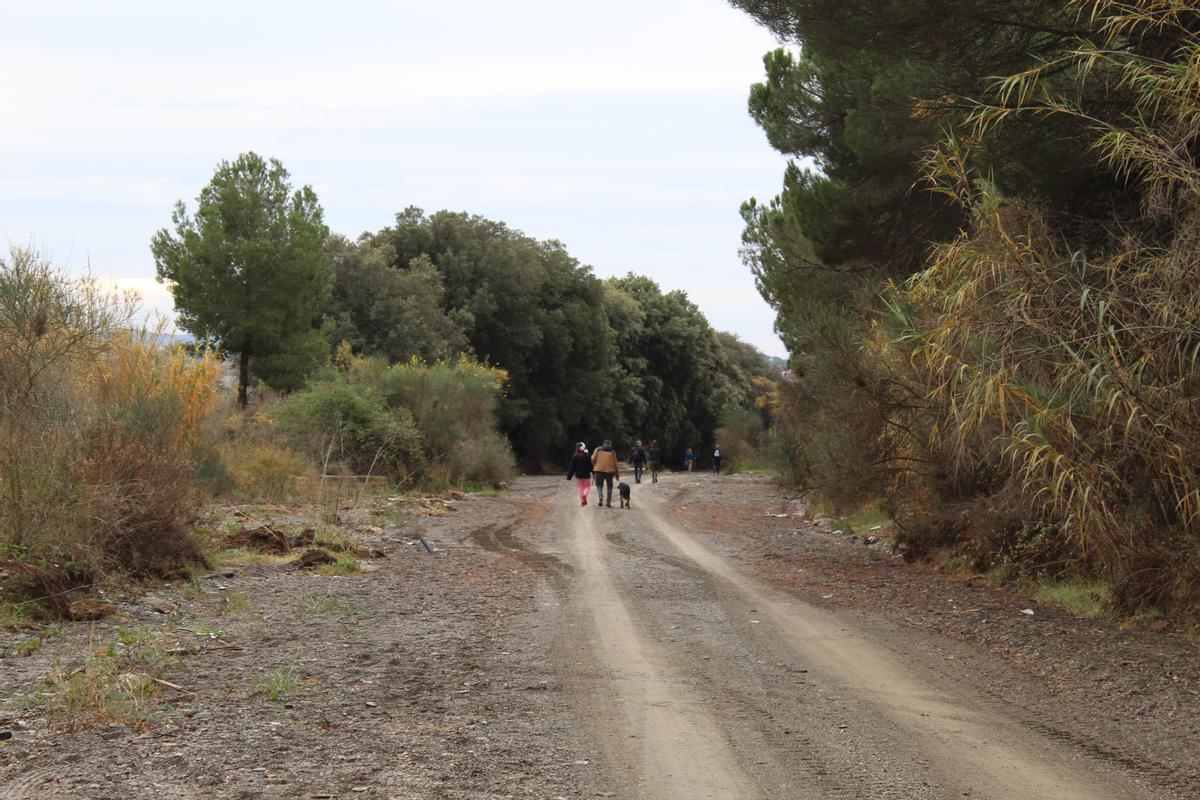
580 468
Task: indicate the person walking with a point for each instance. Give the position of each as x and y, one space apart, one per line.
689 460
638 459
717 459
580 468
655 460
604 465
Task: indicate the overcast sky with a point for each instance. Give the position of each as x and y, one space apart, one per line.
618 128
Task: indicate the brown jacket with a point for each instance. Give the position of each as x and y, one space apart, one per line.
605 461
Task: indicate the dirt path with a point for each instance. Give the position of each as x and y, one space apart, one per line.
708 643
648 719
701 692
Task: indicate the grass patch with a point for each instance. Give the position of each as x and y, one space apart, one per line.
333 540
401 515
957 564
345 564
192 589
863 522
471 487
116 683
278 684
1085 598
328 605
15 615
241 555
20 649
207 631
236 603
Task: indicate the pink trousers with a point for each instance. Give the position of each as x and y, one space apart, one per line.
585 488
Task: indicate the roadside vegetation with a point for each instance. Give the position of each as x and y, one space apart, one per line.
989 286
433 355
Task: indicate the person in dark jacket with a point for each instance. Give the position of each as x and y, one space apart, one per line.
580 468
655 460
638 459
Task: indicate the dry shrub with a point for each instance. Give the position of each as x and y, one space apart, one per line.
250 459
335 420
97 428
1064 377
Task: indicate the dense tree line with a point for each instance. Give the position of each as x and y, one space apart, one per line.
980 280
256 270
586 358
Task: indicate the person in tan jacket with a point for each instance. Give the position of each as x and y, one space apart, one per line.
604 467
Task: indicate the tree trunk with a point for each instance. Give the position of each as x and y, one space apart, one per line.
243 375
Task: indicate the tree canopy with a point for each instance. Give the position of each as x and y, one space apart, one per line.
250 269
976 262
584 357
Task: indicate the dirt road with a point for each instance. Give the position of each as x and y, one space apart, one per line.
700 681
710 642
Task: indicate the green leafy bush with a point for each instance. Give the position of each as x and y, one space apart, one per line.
453 403
336 420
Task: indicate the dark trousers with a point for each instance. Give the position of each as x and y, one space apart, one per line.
602 479
717 464
637 473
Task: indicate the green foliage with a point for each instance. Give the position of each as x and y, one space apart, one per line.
388 309
526 307
670 368
343 564
584 359
288 367
1027 394
250 270
338 419
454 406
329 605
278 684
1081 597
14 615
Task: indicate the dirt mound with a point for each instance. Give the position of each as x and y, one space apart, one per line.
262 539
90 608
312 559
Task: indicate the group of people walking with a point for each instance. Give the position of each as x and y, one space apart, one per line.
601 467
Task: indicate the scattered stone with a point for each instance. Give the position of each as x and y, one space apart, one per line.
5 735
160 604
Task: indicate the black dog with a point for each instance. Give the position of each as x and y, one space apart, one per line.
623 490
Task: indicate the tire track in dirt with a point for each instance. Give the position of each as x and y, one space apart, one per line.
982 754
648 720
